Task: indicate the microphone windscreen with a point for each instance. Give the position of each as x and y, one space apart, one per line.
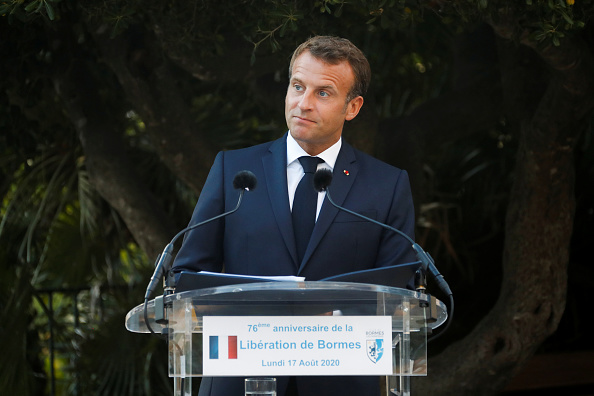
245 180
322 179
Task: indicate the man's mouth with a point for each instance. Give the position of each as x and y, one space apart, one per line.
304 119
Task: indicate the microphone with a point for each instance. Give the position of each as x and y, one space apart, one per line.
323 179
243 181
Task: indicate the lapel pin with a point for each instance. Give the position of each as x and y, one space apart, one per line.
346 172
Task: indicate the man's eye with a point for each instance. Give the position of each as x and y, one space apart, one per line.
324 94
298 87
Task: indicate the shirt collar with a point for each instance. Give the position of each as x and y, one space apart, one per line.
294 151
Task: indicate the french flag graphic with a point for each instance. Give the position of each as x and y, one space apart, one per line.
231 345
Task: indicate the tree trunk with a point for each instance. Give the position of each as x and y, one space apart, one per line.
161 99
110 167
538 229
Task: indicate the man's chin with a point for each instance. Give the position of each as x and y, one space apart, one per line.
300 132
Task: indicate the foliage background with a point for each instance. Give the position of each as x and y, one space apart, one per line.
112 111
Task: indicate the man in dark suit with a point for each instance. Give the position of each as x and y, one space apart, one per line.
328 78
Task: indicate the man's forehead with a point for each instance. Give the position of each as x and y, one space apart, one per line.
308 68
307 56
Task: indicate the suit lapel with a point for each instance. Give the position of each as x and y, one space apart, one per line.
275 170
343 176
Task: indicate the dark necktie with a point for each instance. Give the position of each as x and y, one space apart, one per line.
305 204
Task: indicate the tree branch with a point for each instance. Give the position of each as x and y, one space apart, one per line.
109 165
151 86
538 230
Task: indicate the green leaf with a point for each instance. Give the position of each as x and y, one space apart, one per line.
4 8
539 36
293 26
32 5
282 30
338 12
567 18
50 10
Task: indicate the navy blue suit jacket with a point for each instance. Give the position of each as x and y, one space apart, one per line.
258 239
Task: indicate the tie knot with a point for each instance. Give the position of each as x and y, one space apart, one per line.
310 164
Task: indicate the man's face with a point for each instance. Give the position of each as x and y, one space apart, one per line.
315 105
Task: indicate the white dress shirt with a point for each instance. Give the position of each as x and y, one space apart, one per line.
295 170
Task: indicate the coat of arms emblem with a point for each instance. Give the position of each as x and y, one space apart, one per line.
375 349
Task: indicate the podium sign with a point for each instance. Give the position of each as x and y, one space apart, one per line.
297 345
230 331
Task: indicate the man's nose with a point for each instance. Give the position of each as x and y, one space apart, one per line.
306 101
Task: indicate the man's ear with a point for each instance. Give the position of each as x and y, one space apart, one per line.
353 108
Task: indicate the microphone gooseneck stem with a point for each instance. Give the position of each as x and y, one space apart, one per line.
182 232
243 181
425 259
164 261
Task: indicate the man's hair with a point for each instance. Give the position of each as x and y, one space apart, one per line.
334 50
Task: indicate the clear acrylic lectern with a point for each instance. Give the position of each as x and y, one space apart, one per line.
409 316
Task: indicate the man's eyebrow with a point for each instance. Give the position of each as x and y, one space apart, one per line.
327 87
